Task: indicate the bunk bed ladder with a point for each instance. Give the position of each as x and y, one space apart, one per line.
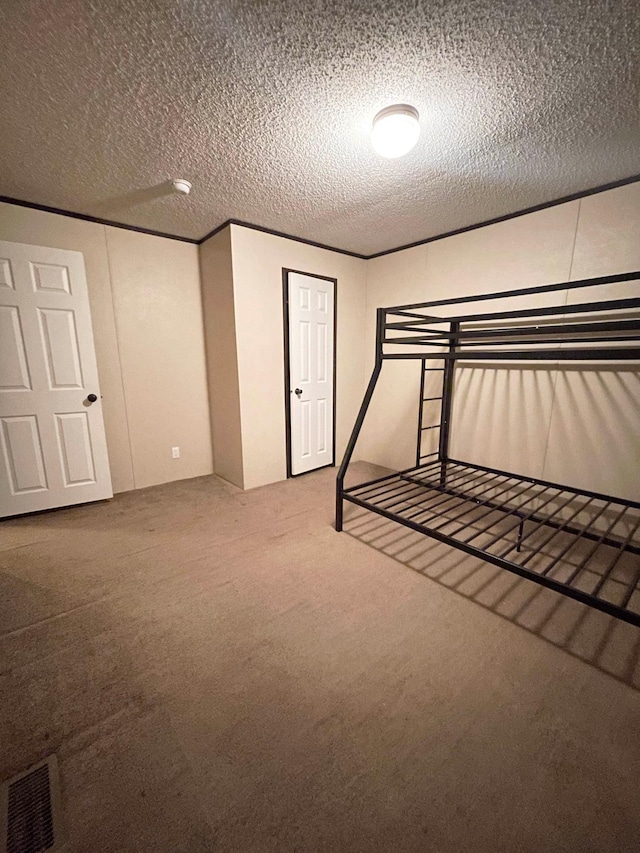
446 398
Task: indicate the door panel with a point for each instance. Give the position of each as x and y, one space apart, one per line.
75 446
323 371
61 348
53 443
311 357
50 277
305 429
323 438
6 278
14 375
23 454
305 352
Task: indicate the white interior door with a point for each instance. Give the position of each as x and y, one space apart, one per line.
311 343
53 450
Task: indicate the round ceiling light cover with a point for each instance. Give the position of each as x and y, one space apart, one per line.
395 130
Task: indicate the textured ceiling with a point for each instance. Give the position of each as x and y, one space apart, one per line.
266 108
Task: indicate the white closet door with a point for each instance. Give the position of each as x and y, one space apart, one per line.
53 450
311 342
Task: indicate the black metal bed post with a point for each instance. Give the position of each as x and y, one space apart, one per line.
423 365
353 438
447 402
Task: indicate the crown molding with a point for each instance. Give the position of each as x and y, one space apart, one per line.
197 242
96 219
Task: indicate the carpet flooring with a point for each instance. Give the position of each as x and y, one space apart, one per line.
219 670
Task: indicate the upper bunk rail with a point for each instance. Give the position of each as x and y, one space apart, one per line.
499 333
520 341
603 329
522 291
584 354
546 311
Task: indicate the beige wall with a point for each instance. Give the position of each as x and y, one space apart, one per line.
146 313
258 260
222 359
158 308
600 449
542 421
501 415
147 299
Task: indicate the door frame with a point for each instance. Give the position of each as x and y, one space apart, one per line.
287 382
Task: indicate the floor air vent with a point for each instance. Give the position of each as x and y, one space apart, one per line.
30 811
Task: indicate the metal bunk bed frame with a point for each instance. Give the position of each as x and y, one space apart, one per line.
531 527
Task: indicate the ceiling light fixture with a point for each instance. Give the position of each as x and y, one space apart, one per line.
395 130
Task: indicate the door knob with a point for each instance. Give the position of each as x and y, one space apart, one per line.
298 392
92 398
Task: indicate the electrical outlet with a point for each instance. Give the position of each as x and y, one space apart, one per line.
175 452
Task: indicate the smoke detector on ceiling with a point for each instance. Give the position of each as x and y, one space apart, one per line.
182 186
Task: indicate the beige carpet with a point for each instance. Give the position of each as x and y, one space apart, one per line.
219 670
